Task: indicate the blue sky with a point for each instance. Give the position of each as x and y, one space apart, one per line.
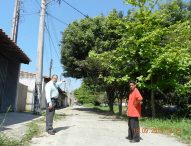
29 25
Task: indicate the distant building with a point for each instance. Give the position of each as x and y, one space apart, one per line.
27 95
11 56
27 91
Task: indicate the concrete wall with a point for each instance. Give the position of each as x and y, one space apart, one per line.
21 97
28 79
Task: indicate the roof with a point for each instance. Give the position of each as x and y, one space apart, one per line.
10 49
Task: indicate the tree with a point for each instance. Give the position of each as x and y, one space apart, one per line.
147 42
99 34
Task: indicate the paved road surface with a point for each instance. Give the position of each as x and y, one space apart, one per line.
85 127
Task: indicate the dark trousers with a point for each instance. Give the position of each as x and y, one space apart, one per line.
50 115
134 130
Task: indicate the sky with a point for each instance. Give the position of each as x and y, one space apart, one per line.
29 26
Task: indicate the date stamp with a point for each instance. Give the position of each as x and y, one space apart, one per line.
169 131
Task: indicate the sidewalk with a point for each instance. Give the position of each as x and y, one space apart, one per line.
14 125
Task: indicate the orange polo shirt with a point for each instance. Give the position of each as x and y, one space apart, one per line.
134 111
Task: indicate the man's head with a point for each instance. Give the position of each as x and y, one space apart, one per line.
54 78
132 85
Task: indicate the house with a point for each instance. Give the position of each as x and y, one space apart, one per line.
11 57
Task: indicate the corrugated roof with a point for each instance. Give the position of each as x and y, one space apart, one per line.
10 49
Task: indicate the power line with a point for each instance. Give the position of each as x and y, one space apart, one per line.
75 9
54 30
49 43
30 13
51 40
57 19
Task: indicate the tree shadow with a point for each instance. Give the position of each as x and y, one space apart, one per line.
94 111
106 115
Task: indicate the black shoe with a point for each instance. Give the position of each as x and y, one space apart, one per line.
54 131
134 141
128 138
51 133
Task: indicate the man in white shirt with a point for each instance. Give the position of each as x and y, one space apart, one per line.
52 94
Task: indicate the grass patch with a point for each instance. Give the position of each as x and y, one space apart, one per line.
33 130
6 141
58 117
180 128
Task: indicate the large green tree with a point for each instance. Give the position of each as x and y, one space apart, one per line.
154 50
99 34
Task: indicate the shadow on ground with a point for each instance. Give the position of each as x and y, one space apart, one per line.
106 115
62 128
3 129
16 118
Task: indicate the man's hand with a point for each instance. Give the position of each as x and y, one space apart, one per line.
138 102
50 106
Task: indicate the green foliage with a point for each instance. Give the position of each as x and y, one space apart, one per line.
151 45
99 34
88 94
5 141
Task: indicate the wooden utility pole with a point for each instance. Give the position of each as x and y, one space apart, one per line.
16 15
39 67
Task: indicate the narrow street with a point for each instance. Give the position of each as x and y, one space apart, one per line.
85 127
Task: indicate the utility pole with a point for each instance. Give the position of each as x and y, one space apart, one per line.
39 67
14 34
50 69
16 15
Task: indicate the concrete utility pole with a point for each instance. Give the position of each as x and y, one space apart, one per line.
39 67
14 34
50 69
16 15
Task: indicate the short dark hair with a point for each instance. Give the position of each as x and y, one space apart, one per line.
54 75
132 81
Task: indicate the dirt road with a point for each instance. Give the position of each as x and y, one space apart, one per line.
85 127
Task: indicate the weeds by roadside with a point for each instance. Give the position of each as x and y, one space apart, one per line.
6 141
33 130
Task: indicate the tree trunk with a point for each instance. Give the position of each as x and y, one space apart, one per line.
152 100
110 96
120 105
111 105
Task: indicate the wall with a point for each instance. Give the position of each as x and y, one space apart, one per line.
9 70
28 79
21 98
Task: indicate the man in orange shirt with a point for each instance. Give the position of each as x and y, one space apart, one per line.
133 113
